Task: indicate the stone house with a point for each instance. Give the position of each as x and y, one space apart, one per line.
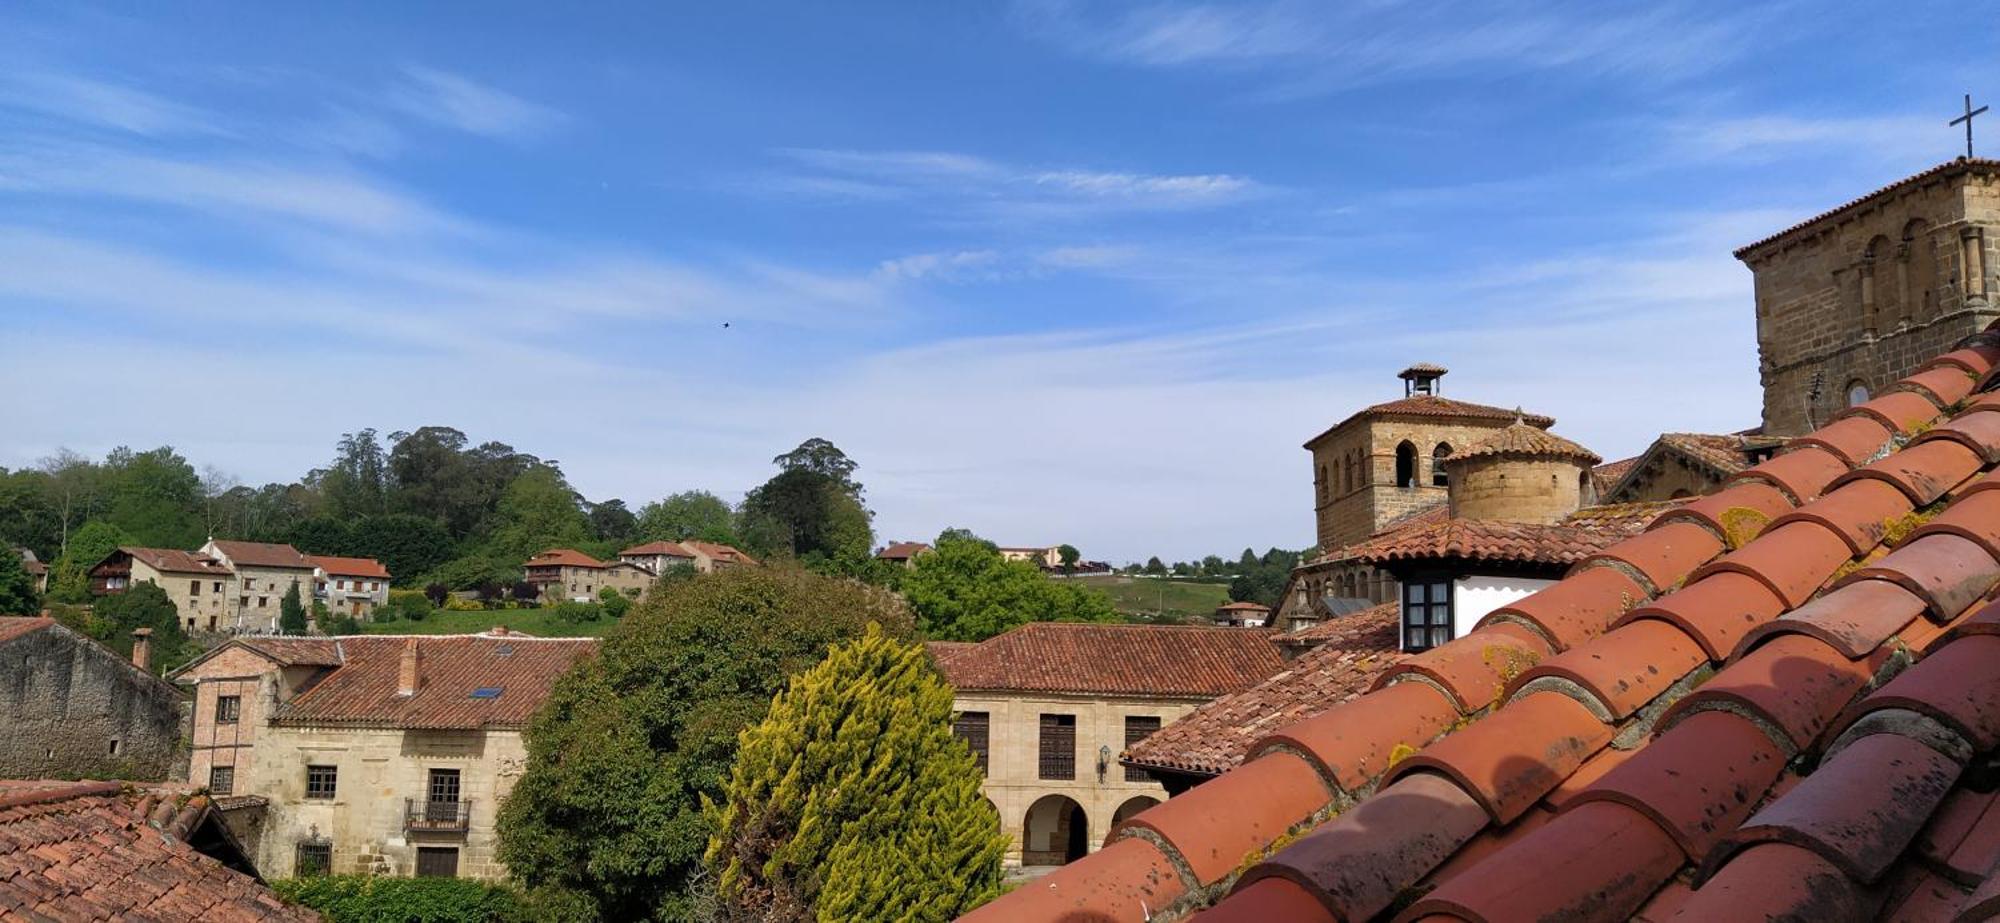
75 708
1243 614
1046 558
657 557
1048 706
350 586
568 575
902 554
37 571
375 754
710 557
264 573
198 585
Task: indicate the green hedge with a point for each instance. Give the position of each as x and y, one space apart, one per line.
371 899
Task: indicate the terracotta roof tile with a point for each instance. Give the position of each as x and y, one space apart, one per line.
91 851
1218 734
1954 167
175 561
670 549
727 554
902 551
1214 826
1163 660
1784 786
1522 440
1431 406
1126 880
1270 899
1943 385
348 567
563 557
15 626
262 554
464 681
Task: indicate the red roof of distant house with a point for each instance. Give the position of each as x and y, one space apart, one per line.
1755 709
32 564
727 554
1523 440
1089 658
942 651
1350 651
348 567
262 554
1433 406
670 549
14 626
1244 606
466 682
89 851
176 561
1493 541
563 557
902 551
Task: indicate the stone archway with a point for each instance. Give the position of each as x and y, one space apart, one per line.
1054 832
1131 806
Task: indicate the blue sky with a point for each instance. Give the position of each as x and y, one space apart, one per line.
1054 272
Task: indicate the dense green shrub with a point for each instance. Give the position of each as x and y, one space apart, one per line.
370 899
576 613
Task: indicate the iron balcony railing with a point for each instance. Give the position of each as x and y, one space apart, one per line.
437 816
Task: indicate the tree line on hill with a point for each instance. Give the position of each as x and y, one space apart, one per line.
1252 577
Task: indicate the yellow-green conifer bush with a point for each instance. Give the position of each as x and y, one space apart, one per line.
853 801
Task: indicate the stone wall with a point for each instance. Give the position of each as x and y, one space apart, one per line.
201 601
1861 298
1517 489
76 709
1348 510
379 769
1013 762
255 682
264 588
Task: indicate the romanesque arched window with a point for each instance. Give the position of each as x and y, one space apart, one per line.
1881 285
1857 392
1406 464
1438 455
1920 274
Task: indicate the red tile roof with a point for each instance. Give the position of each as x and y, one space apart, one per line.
670 549
32 564
1431 406
15 626
1243 606
727 554
1948 168
176 561
1521 440
262 554
348 567
1141 660
563 557
1707 721
1492 541
1347 654
362 689
902 551
89 851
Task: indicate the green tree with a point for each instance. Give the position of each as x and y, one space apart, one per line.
608 815
811 509
611 521
1068 555
538 511
143 605
17 588
409 546
155 497
357 484
70 579
614 603
1155 567
690 514
965 591
291 613
853 799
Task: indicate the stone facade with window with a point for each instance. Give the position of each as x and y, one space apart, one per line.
76 709
1855 298
1049 739
375 754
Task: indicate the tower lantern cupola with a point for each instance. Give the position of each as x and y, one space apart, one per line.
1421 378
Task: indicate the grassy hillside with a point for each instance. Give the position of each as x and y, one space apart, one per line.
1152 597
541 622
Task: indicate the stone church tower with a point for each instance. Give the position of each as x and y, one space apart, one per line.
1387 461
1853 299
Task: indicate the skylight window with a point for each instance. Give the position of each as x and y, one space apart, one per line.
487 692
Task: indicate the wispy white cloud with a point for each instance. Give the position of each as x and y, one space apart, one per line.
106 105
457 102
1762 138
992 187
954 266
1326 47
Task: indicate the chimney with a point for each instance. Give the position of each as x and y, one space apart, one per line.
406 677
142 648
499 631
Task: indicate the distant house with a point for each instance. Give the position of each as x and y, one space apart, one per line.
265 572
199 585
76 708
89 851
1048 558
1243 615
566 574
1048 706
373 754
350 586
712 556
902 553
36 569
658 556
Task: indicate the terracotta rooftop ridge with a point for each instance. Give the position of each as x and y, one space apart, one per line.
1184 661
1521 440
1431 405
1960 165
1771 704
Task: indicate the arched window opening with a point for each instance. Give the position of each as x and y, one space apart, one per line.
1857 392
1406 465
1322 484
1438 455
1054 832
1920 273
1881 285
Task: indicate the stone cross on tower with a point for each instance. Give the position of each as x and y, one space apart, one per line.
1967 119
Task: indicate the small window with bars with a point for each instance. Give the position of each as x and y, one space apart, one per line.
1138 728
1426 613
228 708
972 727
1058 747
314 857
222 780
321 782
